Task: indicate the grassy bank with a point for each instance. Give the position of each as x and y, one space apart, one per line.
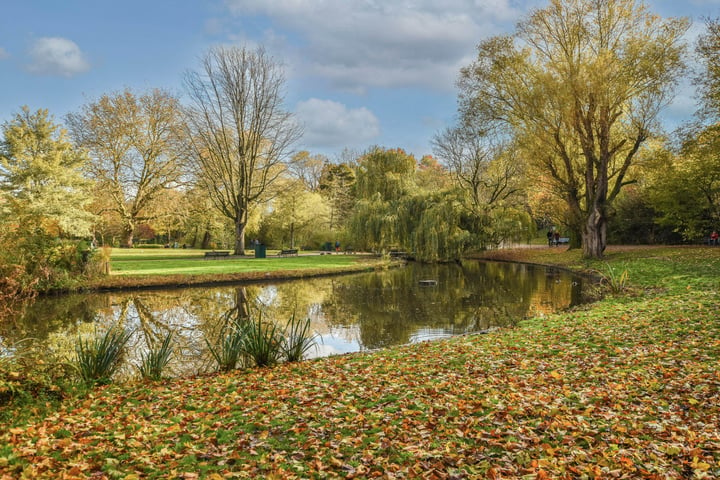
130 268
625 388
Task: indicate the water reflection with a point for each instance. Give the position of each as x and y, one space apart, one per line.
350 313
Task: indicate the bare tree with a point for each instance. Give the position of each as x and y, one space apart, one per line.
239 134
486 169
133 144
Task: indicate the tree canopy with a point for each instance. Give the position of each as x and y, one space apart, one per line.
580 83
42 172
134 145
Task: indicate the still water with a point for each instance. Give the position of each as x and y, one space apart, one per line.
348 313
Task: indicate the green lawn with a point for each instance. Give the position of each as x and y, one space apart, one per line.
628 387
140 261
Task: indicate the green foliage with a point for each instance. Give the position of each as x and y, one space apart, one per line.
297 214
43 172
708 78
297 339
97 359
336 185
384 172
153 362
613 279
228 349
263 341
687 192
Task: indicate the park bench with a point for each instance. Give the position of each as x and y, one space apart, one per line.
216 254
288 251
563 241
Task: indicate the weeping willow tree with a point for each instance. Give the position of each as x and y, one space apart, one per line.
383 178
393 211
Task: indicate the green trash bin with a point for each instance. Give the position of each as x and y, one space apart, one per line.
260 251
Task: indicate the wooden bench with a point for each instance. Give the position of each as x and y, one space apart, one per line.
287 252
216 254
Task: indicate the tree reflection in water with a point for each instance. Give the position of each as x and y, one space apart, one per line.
351 312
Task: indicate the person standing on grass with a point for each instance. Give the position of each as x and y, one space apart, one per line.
714 238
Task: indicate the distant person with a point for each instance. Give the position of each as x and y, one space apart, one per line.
714 238
337 245
557 238
550 238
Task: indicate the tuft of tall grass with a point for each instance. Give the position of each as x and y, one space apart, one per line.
98 359
616 282
154 362
297 339
228 350
262 342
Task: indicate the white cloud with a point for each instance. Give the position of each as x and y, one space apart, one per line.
361 44
4 54
56 56
332 124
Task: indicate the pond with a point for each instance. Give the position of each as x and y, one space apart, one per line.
348 313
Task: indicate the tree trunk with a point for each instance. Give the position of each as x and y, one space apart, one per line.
207 238
292 234
239 238
595 235
128 235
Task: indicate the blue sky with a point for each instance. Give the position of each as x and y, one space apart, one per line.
359 72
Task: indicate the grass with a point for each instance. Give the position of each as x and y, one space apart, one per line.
159 267
627 387
192 262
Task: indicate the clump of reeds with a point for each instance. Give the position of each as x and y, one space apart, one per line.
98 358
154 362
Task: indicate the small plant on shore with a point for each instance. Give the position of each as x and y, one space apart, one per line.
228 349
98 359
615 281
263 341
154 362
297 339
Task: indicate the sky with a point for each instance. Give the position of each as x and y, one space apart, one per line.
358 73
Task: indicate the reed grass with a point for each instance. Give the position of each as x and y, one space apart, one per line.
98 359
297 339
153 363
263 341
228 349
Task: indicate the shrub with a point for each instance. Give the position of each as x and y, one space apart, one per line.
98 359
154 362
